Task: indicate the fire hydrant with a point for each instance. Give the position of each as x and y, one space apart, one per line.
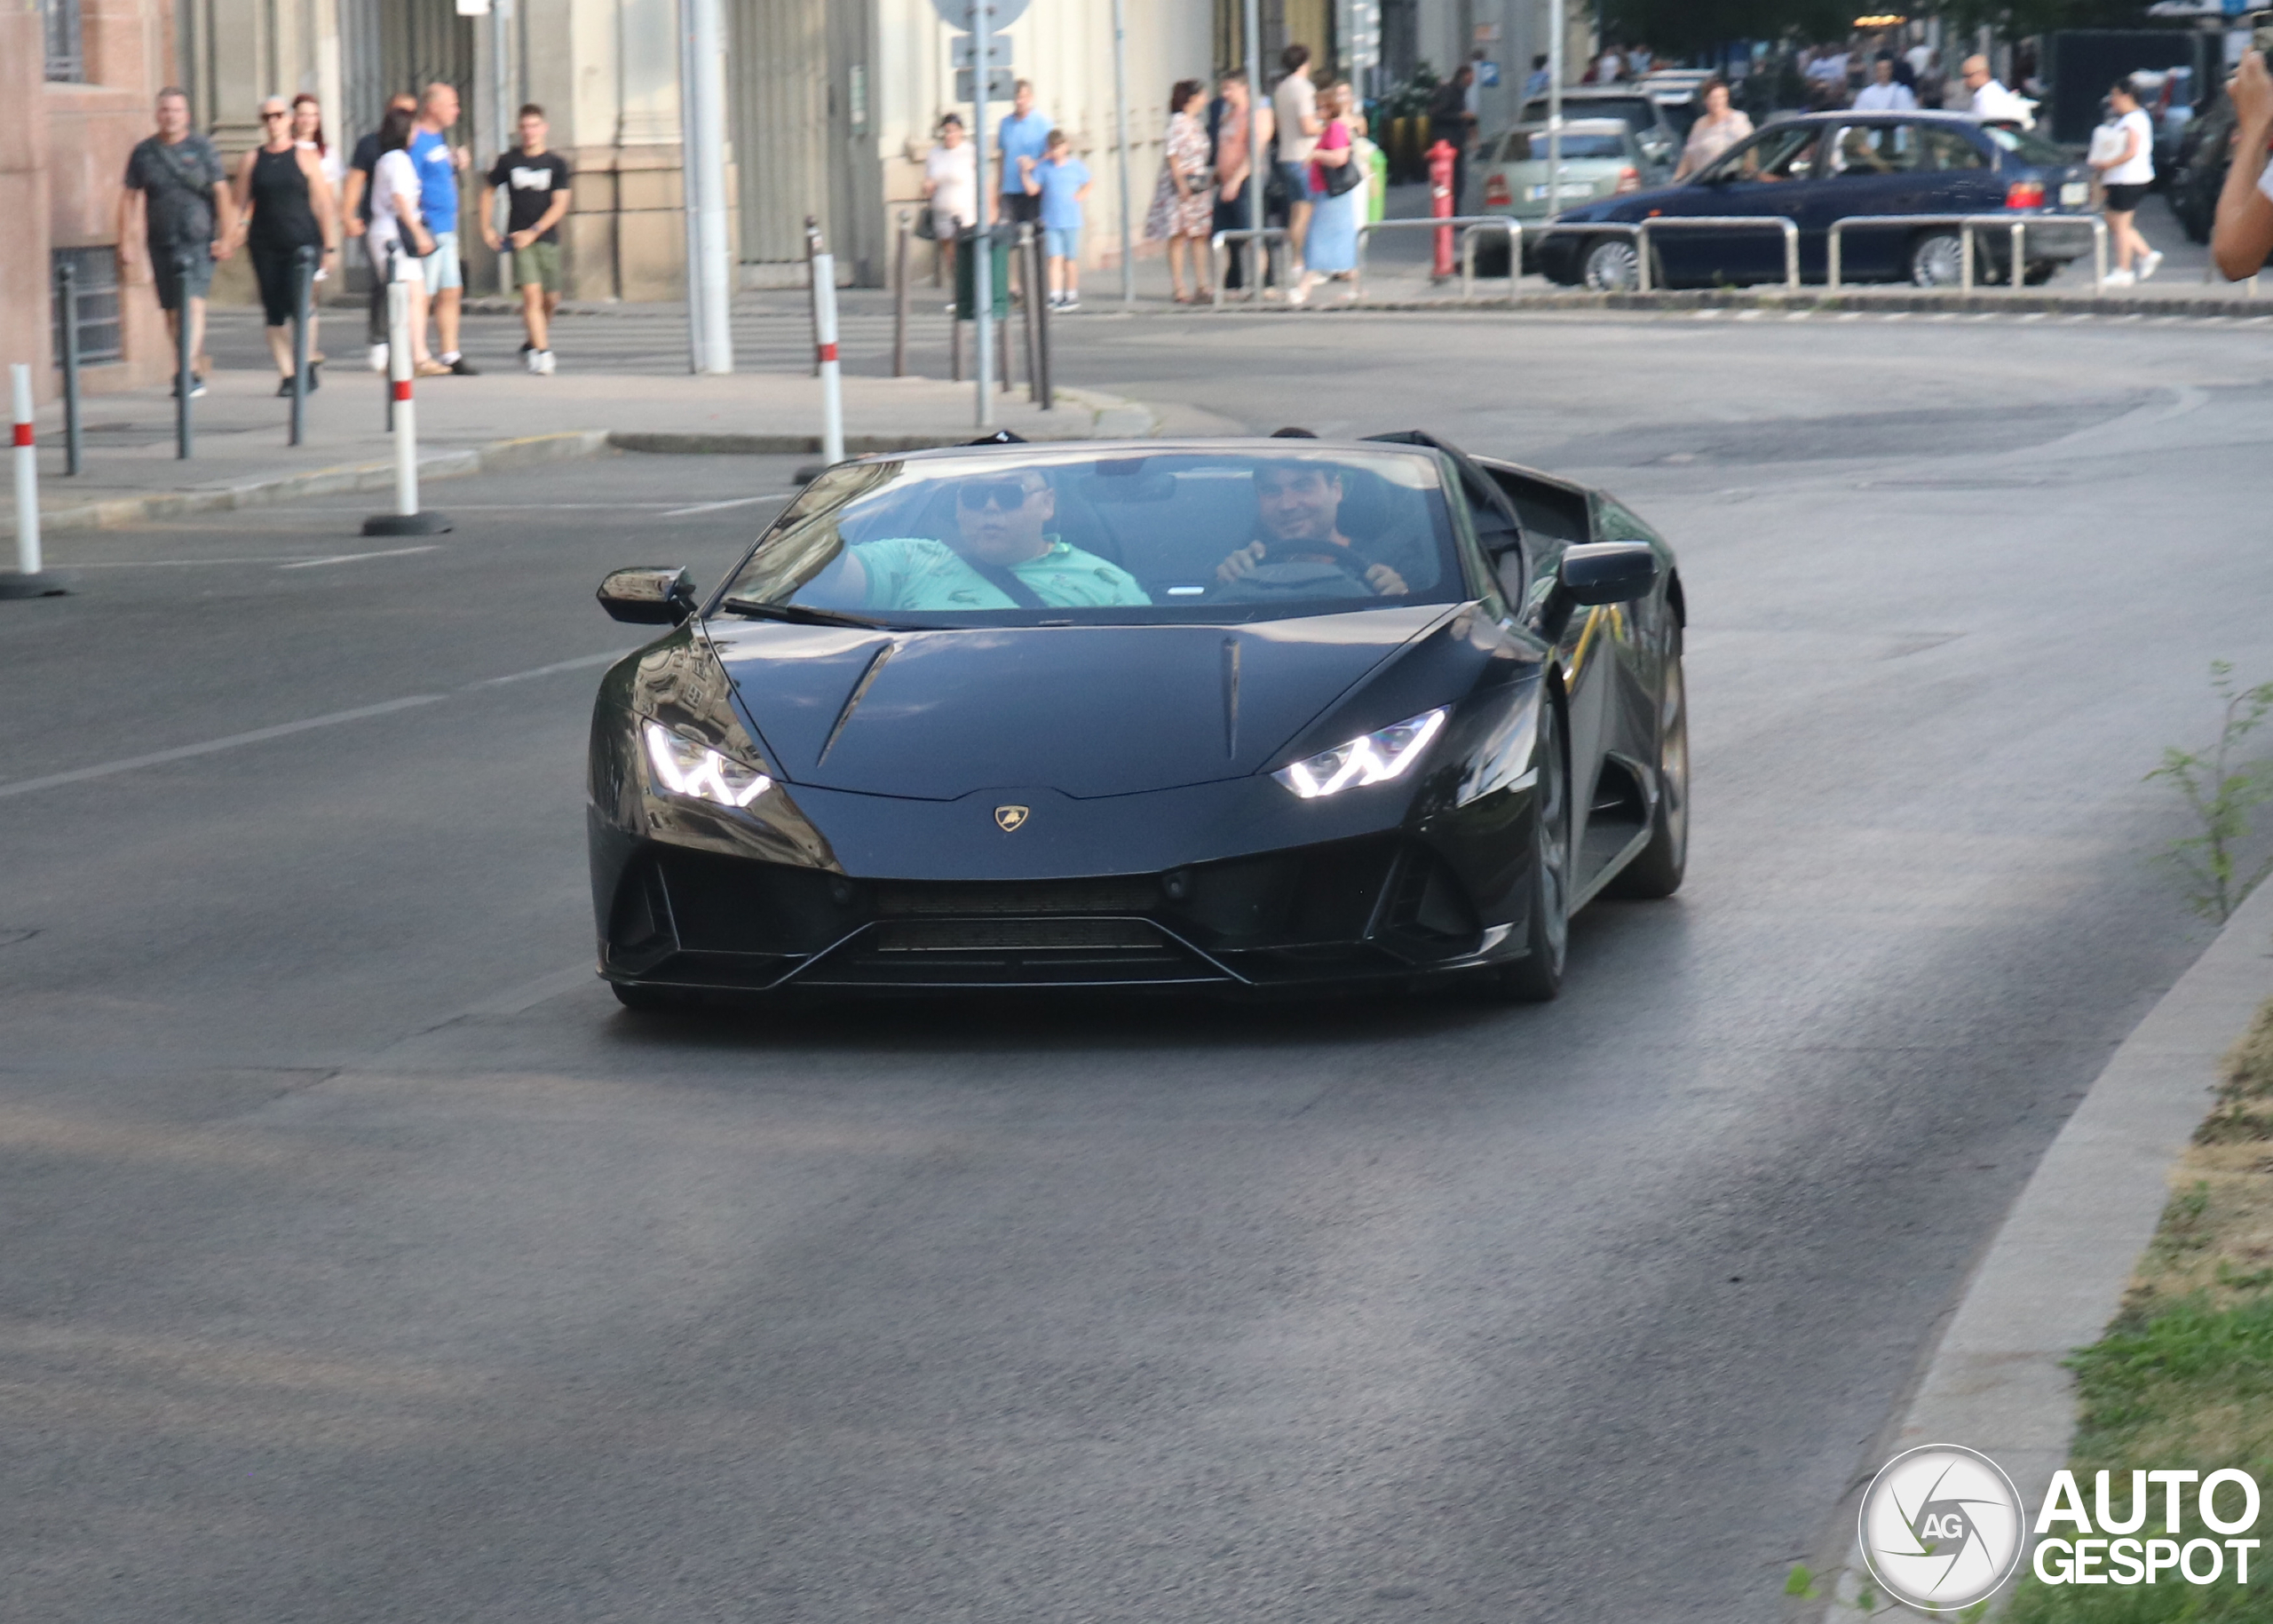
1442 156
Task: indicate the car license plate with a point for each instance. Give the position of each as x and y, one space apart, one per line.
1539 192
2075 194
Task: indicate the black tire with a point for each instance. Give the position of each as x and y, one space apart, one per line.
1537 977
1935 258
1658 871
1491 258
2041 272
648 1000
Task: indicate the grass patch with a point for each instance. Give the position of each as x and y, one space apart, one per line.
2184 1377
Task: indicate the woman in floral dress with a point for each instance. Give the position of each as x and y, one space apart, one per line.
1184 204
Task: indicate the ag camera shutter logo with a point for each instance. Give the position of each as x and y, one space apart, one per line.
1942 1527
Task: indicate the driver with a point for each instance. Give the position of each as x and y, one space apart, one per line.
1004 556
1298 509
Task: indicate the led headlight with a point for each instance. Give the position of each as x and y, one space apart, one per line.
696 771
1374 759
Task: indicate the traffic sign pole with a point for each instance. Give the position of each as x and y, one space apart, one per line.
990 201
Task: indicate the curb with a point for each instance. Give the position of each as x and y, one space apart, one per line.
1860 301
1107 417
1096 416
2055 1275
519 453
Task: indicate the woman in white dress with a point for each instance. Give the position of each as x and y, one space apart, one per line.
951 189
398 236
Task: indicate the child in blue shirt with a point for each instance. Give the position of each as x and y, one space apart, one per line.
1062 182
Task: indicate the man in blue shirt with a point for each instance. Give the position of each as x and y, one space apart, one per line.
1060 182
1024 134
439 163
1536 84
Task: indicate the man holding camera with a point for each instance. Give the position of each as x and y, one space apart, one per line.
2243 238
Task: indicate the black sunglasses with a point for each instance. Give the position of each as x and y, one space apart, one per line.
1008 495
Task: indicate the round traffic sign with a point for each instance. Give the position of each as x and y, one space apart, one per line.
964 14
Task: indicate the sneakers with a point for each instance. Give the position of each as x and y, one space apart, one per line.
2152 263
2120 279
196 387
544 359
378 357
530 361
459 366
431 368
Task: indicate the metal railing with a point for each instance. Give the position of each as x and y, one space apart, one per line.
1967 225
1640 232
1264 235
1470 225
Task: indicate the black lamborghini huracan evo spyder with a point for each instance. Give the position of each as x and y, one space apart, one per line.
1238 714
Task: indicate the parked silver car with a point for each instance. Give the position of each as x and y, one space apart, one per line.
1602 157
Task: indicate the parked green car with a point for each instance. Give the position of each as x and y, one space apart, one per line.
1602 157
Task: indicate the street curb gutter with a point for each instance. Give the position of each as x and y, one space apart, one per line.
320 482
2054 1276
1093 417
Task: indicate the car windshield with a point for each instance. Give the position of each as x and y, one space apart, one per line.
1532 145
2027 148
1059 537
1639 112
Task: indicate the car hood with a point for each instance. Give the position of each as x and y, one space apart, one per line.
1087 710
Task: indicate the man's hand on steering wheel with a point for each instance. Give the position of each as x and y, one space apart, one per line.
1241 563
1386 581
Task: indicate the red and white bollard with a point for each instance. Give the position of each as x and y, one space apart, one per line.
29 579
1441 159
832 376
406 519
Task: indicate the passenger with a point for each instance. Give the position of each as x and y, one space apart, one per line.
1298 509
1004 558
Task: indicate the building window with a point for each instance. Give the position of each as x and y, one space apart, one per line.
67 46
96 282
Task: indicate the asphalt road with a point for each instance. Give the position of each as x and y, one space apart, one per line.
363 1261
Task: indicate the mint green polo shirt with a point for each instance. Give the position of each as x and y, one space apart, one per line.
917 573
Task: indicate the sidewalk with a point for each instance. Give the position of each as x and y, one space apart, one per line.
130 473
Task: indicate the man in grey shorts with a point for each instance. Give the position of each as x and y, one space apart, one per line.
176 181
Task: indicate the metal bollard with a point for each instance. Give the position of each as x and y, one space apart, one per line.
832 376
814 247
1046 394
304 294
185 374
1029 255
29 580
406 519
67 299
900 303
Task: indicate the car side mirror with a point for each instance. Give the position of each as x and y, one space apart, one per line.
649 597
1595 572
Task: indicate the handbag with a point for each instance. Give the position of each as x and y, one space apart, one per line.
924 228
1342 178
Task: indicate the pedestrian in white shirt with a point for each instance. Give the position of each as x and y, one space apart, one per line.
1992 103
2123 152
1883 94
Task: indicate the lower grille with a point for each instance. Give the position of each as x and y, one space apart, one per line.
907 899
993 935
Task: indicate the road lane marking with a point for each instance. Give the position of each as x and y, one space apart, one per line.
261 735
737 502
357 558
577 664
79 775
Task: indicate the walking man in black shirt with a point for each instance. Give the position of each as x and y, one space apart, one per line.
176 183
537 197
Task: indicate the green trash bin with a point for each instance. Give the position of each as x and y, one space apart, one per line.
967 272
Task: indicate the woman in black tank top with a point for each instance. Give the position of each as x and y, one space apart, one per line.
286 204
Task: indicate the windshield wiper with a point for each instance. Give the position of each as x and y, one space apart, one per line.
799 614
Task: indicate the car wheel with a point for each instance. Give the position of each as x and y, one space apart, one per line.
647 999
2041 274
1538 976
1658 871
1936 260
1491 258
1612 267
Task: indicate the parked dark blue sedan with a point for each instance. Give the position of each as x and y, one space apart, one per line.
1829 166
